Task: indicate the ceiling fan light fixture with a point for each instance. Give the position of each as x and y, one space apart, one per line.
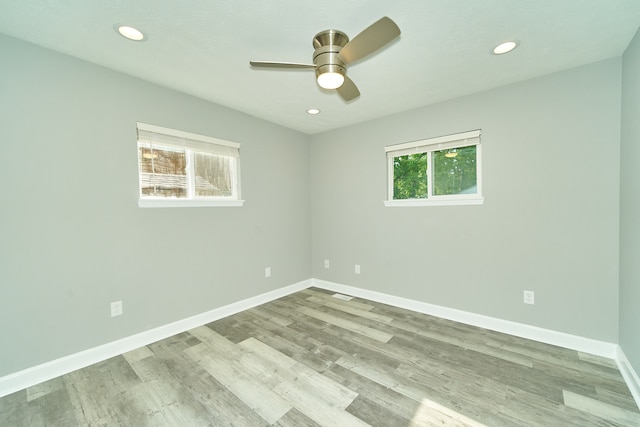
330 80
333 52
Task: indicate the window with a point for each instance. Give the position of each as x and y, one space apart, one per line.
438 171
183 169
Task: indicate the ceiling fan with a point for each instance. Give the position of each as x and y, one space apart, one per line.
333 52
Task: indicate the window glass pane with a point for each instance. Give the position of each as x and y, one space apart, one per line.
410 176
454 171
213 175
162 172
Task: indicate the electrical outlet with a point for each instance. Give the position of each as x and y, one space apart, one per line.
326 263
529 297
267 272
116 308
357 269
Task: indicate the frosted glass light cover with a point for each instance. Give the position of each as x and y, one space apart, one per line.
330 80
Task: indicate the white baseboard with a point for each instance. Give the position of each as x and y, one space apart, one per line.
49 370
629 374
573 342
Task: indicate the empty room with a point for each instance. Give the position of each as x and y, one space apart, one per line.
288 213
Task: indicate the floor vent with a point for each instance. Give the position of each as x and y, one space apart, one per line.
342 297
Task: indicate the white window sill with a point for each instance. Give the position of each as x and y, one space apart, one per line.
178 203
433 202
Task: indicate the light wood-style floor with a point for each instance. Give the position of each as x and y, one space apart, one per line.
313 359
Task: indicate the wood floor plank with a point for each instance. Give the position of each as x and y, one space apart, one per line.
221 406
374 414
295 418
93 390
346 342
232 328
346 324
218 357
55 408
172 401
390 400
601 409
296 373
470 362
522 408
137 354
598 360
582 381
88 399
433 413
317 397
338 340
272 316
300 347
349 307
319 410
619 398
421 393
464 342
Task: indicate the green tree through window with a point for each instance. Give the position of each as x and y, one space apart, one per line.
410 176
454 171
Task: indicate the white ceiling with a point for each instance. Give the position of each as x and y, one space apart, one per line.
203 47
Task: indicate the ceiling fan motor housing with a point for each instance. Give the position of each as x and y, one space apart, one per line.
327 45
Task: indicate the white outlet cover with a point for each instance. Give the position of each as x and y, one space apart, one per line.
529 297
326 263
357 269
267 272
116 308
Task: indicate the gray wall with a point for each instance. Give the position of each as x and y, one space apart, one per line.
72 238
551 152
630 205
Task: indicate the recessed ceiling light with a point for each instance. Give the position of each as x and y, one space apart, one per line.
130 33
504 47
313 111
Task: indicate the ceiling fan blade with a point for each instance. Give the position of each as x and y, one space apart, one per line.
272 64
348 91
372 38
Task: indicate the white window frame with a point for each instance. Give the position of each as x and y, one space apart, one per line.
459 140
191 143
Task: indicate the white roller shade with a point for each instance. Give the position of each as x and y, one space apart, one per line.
150 135
458 140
